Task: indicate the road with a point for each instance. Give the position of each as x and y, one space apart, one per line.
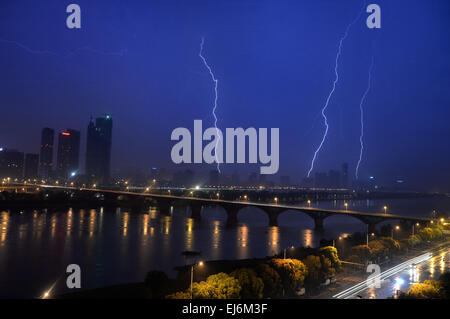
401 277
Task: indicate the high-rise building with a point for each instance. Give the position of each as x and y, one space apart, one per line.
31 166
345 175
68 153
98 149
11 164
46 156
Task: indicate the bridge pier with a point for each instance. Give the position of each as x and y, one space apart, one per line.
196 211
372 227
164 207
272 213
318 223
232 216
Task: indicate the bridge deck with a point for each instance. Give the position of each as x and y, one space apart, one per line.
206 201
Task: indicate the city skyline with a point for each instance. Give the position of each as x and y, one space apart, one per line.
158 83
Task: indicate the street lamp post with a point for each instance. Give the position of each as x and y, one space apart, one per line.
392 231
413 228
346 206
192 274
367 235
385 210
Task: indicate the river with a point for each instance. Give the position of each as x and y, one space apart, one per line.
113 247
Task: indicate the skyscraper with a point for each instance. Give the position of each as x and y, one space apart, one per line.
31 166
98 149
68 153
46 156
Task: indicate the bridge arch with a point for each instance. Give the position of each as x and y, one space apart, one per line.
295 217
253 215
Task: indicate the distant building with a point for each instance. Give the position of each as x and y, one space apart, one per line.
98 149
11 164
31 166
46 153
321 180
68 153
345 175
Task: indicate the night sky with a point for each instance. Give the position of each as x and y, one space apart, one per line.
274 61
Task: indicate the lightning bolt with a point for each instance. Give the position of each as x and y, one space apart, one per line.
75 52
216 83
361 137
336 79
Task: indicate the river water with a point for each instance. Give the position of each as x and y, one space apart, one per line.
113 247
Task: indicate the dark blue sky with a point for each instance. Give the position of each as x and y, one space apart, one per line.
274 61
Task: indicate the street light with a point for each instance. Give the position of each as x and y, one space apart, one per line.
200 263
309 203
276 200
346 206
385 209
416 225
392 231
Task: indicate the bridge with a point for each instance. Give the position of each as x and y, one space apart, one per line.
142 201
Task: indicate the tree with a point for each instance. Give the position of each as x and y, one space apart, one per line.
414 240
327 270
436 233
219 286
423 291
292 272
314 267
273 285
426 234
390 244
331 253
444 280
223 286
362 253
179 295
252 286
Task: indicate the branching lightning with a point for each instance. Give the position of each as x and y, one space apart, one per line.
76 51
361 137
216 83
336 79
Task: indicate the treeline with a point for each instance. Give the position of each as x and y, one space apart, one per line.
386 247
271 278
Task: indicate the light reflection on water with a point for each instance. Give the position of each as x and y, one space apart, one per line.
119 246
